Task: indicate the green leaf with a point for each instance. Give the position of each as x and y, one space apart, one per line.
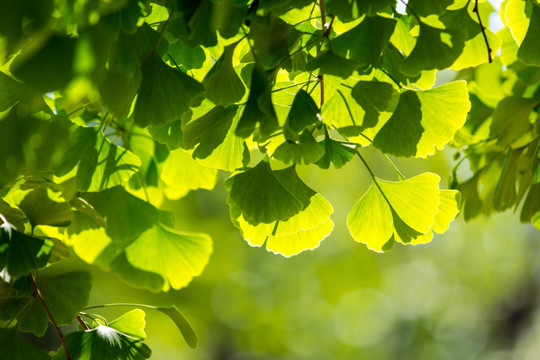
403 210
475 50
131 323
259 108
25 253
260 196
348 10
11 92
183 325
41 209
447 44
428 7
209 131
303 231
329 62
11 214
169 134
127 216
371 108
304 112
104 342
447 210
336 152
18 349
101 164
505 194
365 42
65 294
511 119
46 65
304 151
165 93
222 83
271 37
529 51
177 256
181 174
424 121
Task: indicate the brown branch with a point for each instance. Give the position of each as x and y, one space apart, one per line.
81 322
483 30
37 294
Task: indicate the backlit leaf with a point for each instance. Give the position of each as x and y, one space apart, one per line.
183 325
176 256
165 93
424 121
529 51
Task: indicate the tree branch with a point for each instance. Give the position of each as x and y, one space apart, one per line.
37 294
475 10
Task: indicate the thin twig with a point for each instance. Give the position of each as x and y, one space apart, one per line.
483 30
37 294
82 323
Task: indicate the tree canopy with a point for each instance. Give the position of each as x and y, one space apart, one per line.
109 110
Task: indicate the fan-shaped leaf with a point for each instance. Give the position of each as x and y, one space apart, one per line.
177 256
424 120
222 83
529 51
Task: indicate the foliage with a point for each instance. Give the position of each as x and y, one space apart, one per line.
111 110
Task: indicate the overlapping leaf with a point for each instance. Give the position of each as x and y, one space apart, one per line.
424 120
301 231
404 211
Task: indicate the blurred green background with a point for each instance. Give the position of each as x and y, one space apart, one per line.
469 294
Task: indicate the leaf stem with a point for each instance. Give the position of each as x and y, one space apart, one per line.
82 323
294 85
475 10
37 294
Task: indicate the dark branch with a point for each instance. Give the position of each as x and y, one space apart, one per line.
483 30
37 294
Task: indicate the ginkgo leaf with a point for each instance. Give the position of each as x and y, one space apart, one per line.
329 62
181 174
511 119
19 349
475 50
293 244
435 49
365 42
259 108
209 131
222 83
260 196
303 231
11 91
46 65
40 209
374 101
104 342
24 253
75 287
450 202
304 112
131 323
529 51
183 325
127 216
370 220
177 256
101 164
304 151
348 10
428 7
335 152
165 93
515 17
403 210
424 120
